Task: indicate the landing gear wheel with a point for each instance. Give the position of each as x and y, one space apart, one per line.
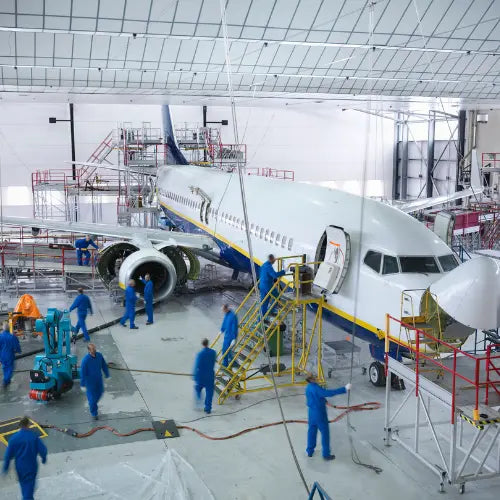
376 372
461 489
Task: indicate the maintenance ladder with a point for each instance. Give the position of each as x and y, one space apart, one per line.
288 304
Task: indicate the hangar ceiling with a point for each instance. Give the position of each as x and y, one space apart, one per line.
429 48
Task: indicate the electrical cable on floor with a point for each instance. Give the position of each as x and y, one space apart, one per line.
370 406
354 454
112 366
249 242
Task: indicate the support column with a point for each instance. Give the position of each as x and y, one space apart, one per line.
404 160
430 153
462 120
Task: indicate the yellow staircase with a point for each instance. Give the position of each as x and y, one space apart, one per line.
287 309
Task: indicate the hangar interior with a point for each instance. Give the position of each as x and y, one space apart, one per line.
357 141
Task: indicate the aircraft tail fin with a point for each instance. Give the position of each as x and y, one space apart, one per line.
174 155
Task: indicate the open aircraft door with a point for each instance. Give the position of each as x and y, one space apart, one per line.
333 269
444 222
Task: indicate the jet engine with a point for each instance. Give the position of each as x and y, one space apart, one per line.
169 266
128 261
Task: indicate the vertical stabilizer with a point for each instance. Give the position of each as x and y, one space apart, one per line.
174 155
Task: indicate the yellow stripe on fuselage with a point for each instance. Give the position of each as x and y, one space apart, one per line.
379 333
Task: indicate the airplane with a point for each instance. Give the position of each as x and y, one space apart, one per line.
384 260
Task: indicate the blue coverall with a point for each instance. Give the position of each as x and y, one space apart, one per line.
24 446
148 299
130 300
82 305
91 378
267 276
230 330
318 416
9 345
81 246
204 375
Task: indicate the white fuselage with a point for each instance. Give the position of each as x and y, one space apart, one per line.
289 218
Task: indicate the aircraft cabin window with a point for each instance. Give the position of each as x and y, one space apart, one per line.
290 243
251 228
257 231
283 242
271 238
261 235
418 265
373 259
278 239
242 226
448 262
390 265
266 236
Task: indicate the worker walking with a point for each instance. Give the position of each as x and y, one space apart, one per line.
318 416
81 246
148 297
267 276
9 346
24 447
83 306
203 374
93 364
229 329
130 300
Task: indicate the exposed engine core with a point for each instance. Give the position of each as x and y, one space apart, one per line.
131 262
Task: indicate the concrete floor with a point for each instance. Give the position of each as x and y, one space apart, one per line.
257 465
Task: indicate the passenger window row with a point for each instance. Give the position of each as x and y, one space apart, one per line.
257 231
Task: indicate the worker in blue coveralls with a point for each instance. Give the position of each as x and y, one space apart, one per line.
93 364
148 297
230 330
203 374
83 306
24 447
81 246
9 346
318 416
130 300
267 276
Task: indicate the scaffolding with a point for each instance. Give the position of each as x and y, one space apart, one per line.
286 314
462 427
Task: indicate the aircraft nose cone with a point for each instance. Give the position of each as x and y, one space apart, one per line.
471 293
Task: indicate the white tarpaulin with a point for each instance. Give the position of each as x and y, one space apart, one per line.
172 479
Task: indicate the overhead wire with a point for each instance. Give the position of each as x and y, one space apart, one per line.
249 241
354 454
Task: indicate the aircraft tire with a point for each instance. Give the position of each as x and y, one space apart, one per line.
376 374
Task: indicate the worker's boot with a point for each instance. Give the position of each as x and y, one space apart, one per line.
329 457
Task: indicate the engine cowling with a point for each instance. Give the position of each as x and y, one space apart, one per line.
129 261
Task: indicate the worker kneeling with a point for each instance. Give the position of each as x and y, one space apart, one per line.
81 246
93 364
318 416
204 376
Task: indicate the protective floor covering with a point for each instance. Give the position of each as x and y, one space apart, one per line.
173 479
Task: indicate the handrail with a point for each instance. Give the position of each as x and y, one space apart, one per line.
419 356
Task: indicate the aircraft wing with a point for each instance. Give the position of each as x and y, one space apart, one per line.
113 231
421 203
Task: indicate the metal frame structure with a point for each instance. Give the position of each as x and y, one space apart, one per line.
290 306
462 453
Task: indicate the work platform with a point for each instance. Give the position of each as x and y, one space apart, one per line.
453 397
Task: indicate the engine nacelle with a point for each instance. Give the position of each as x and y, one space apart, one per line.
158 265
129 261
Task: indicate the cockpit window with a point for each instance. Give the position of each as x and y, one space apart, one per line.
448 262
373 259
418 265
390 265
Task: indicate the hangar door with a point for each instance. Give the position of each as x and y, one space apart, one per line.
332 271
